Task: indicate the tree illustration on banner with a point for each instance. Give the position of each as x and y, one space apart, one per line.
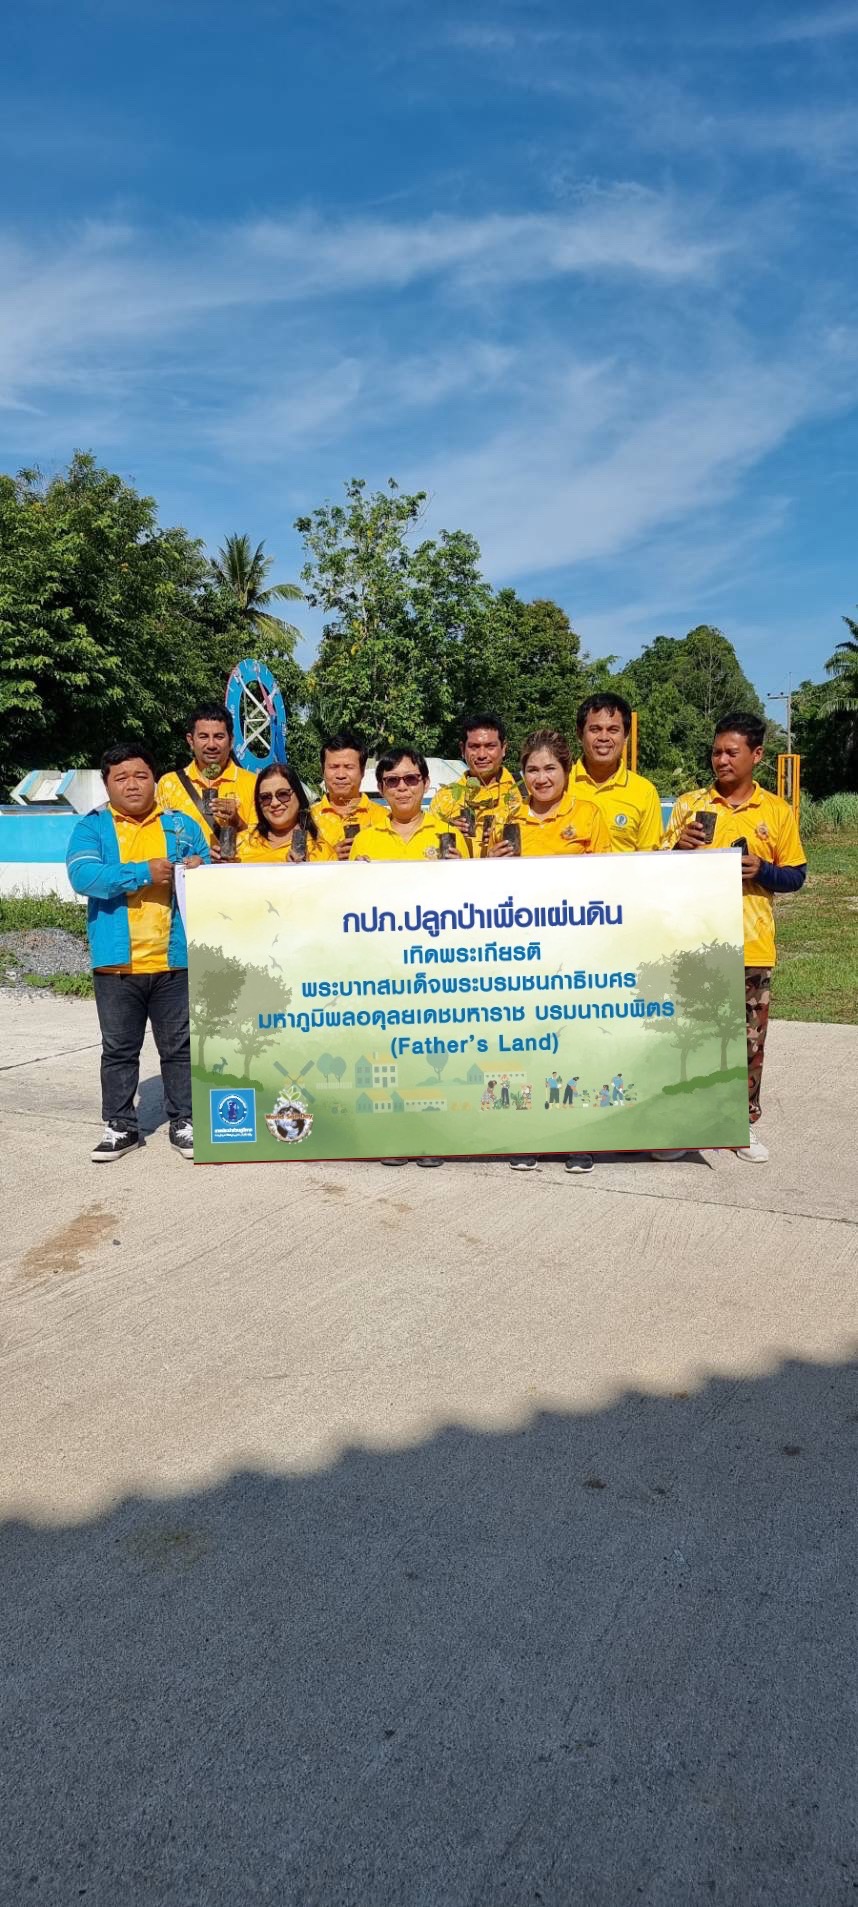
217 982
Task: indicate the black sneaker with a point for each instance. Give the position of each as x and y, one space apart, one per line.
182 1137
113 1144
579 1162
524 1164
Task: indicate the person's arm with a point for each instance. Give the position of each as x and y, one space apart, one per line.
91 874
781 880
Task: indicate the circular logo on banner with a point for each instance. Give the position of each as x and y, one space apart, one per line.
289 1120
233 1110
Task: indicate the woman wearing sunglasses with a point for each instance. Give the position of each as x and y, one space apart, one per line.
404 832
285 830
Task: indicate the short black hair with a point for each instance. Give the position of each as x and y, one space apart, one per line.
343 738
751 726
481 720
389 760
126 751
209 712
305 819
612 705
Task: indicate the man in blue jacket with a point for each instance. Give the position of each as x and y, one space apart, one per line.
123 858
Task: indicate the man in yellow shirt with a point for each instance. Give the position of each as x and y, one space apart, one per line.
479 803
403 832
735 810
212 788
343 810
122 858
555 820
628 803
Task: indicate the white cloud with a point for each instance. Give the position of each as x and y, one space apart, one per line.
611 459
99 286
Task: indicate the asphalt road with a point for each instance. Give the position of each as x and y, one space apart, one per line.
449 1539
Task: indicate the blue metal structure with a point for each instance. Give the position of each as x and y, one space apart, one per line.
259 715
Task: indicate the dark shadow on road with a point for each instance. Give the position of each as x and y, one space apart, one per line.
150 1105
598 1659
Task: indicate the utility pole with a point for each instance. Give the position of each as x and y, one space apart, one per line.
785 695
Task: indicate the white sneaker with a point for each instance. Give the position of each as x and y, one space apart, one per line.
182 1137
755 1153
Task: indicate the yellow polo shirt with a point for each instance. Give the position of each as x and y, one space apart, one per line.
576 828
253 846
629 806
234 781
150 910
332 825
768 825
498 801
381 843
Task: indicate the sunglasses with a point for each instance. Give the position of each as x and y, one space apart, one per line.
277 796
403 781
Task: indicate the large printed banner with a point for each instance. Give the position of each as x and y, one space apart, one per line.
360 1011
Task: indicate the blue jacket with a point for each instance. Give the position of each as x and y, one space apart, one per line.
95 869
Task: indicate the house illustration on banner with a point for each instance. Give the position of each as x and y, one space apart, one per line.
375 1070
423 1099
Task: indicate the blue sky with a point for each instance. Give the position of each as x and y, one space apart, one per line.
593 286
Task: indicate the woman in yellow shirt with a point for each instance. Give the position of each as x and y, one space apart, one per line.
555 820
285 830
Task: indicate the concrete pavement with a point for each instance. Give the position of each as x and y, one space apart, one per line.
397 1537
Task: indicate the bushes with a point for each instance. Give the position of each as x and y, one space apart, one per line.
836 813
42 910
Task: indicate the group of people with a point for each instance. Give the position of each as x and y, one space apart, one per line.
122 857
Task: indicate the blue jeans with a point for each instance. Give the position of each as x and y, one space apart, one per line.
125 1001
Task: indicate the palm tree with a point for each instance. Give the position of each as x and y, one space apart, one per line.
242 571
843 666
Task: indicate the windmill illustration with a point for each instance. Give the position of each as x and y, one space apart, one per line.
293 1080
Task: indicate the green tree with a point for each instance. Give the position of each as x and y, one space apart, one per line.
680 686
843 667
708 990
109 624
241 572
218 980
825 722
395 615
524 659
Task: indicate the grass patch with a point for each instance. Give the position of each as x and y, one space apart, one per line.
75 986
20 914
816 977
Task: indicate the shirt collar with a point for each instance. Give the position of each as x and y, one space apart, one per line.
229 773
619 778
425 820
560 814
327 806
753 800
140 820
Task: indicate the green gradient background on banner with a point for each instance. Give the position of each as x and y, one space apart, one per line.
269 949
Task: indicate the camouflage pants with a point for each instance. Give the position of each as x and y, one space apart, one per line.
758 988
